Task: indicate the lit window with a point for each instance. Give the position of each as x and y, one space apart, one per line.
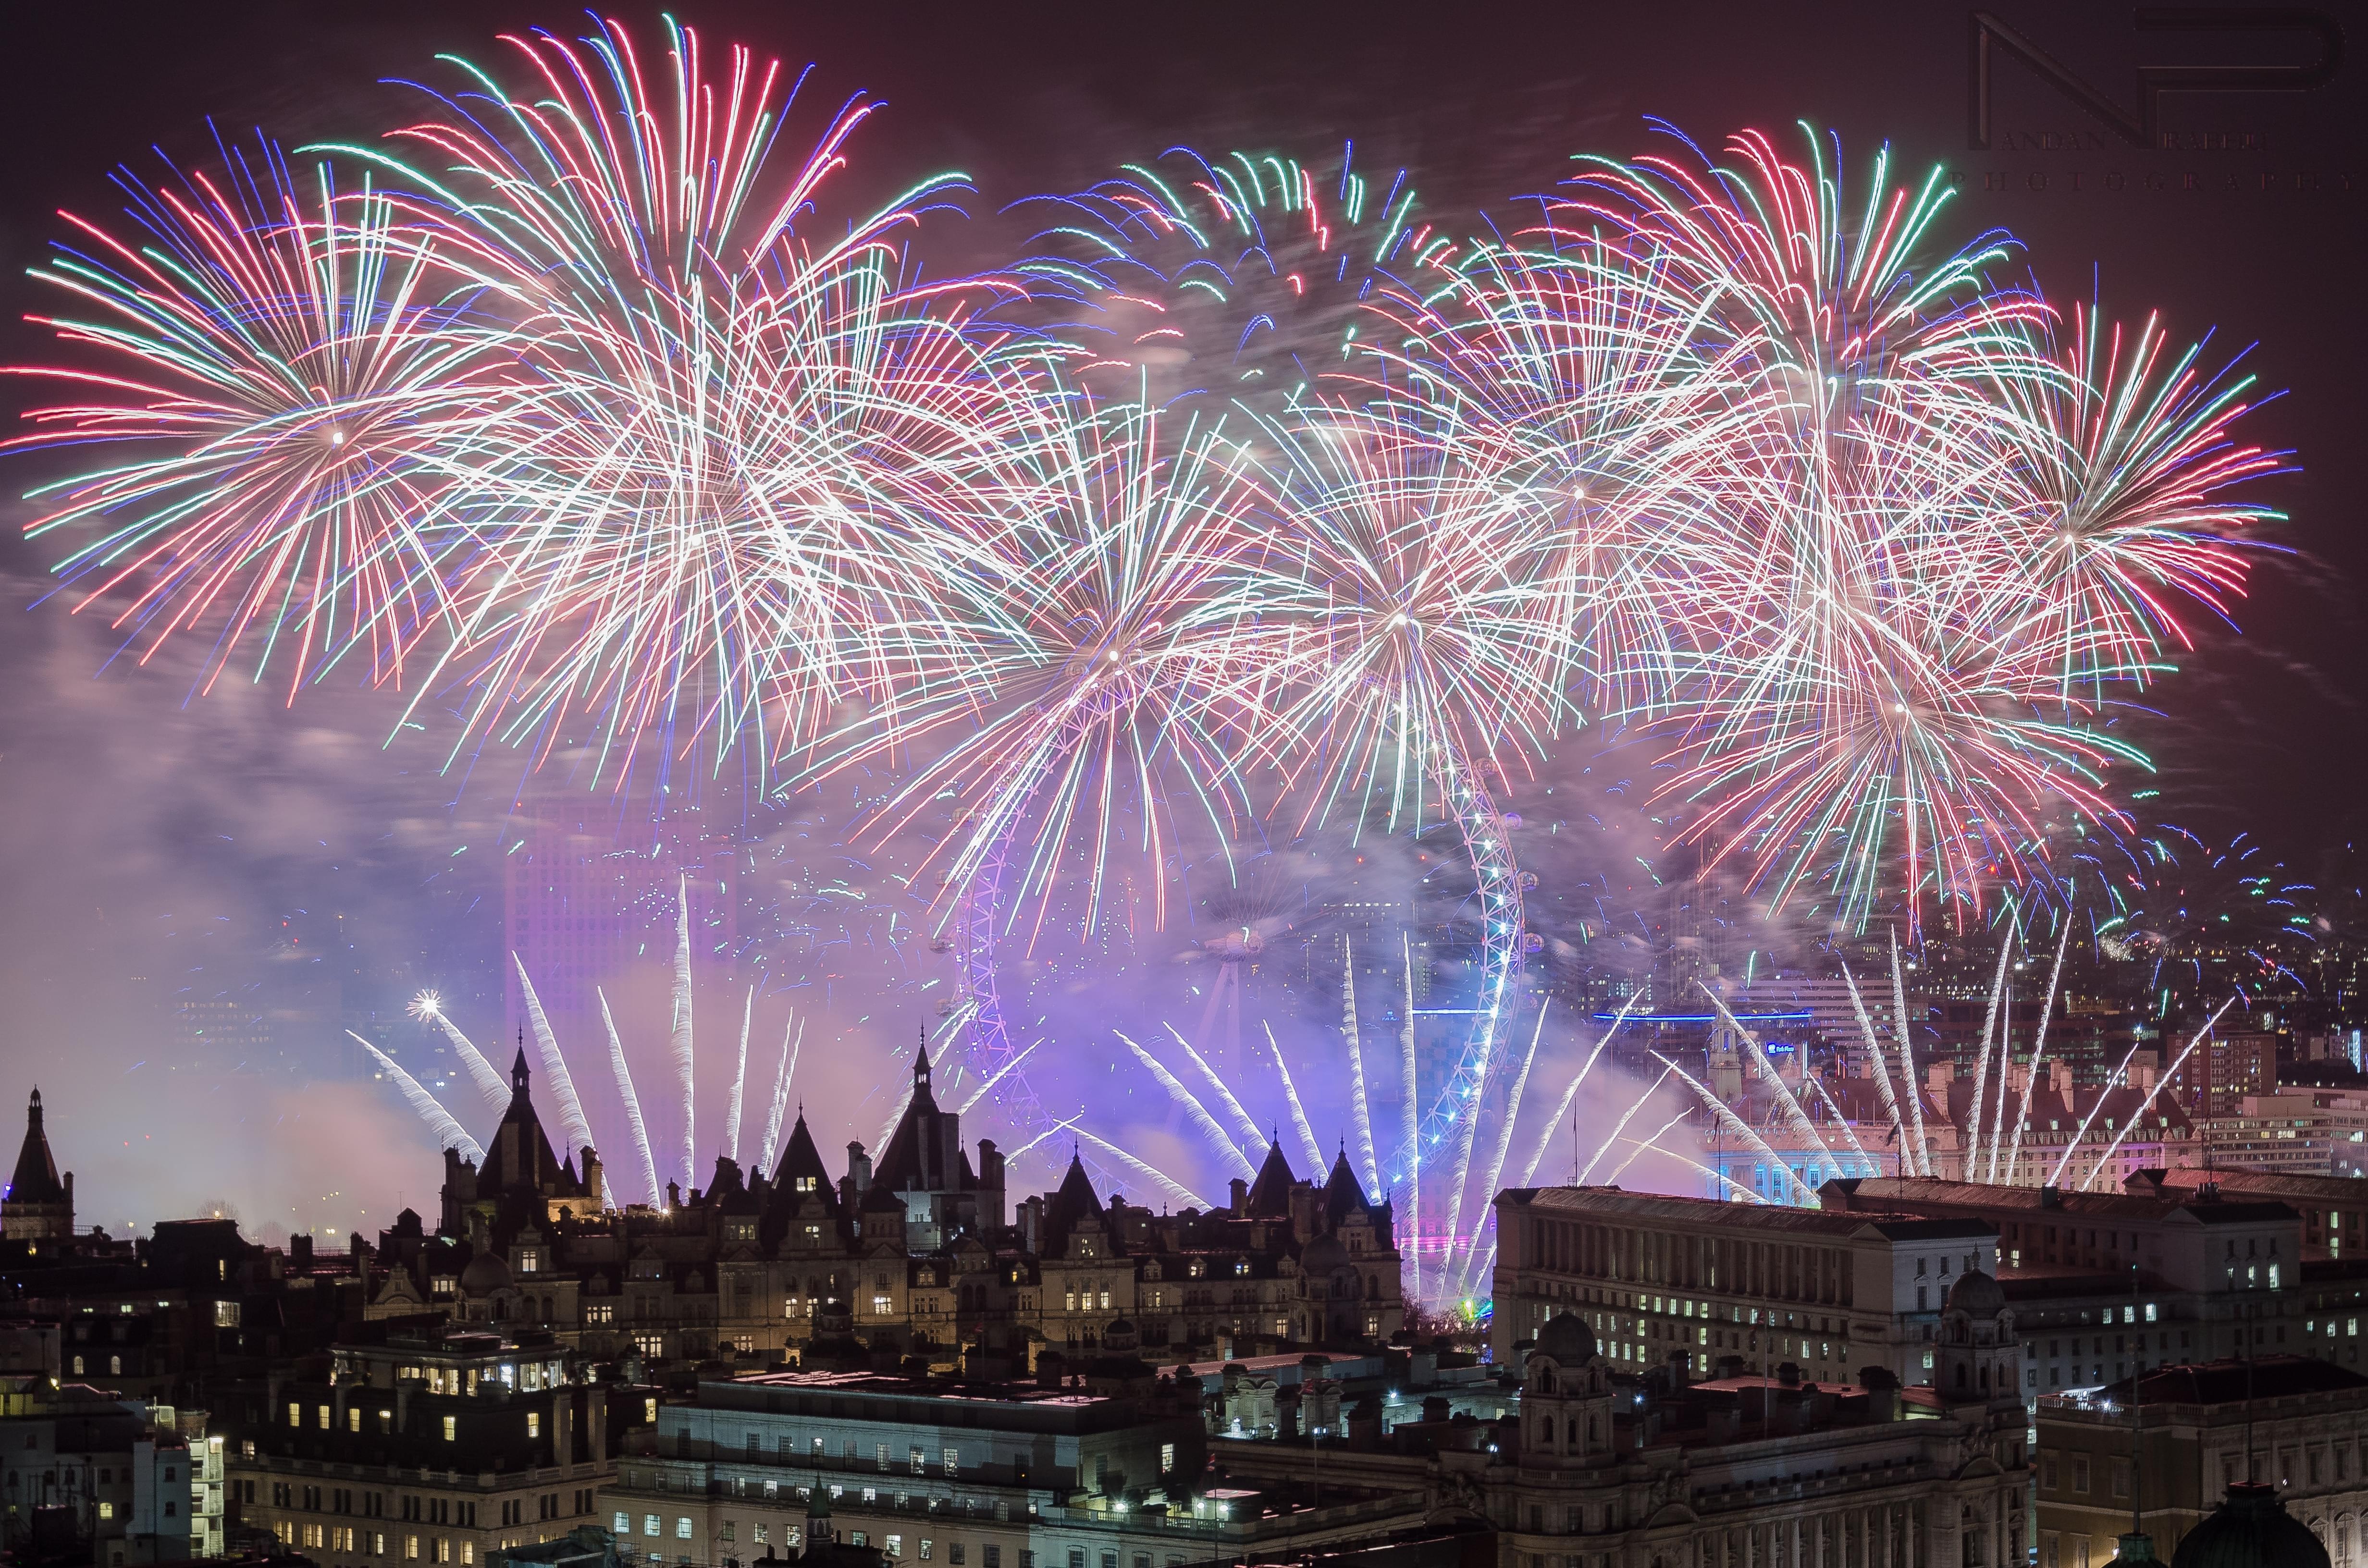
353 1418
652 1525
295 1411
622 1524
107 1510
534 1423
682 1529
451 1427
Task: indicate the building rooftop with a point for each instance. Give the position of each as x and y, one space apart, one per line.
2227 1382
2046 1282
890 1385
1613 1200
1914 1192
1288 1362
2314 1191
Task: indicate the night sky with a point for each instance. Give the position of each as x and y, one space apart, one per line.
129 808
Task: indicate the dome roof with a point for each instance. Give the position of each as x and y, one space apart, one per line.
486 1273
1976 1295
1567 1339
2250 1529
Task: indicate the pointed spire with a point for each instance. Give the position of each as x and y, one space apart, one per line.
36 1179
1269 1195
519 1069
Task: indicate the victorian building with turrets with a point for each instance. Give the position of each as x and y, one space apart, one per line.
39 1205
913 1256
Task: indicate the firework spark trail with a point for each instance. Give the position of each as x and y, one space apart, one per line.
481 1071
2038 1056
1879 1066
286 394
1570 1097
1642 1145
750 443
1177 1191
896 1114
2161 1084
448 1132
903 1102
1982 1062
1868 713
997 1077
1849 1132
1313 1149
1907 1056
589 425
1654 1145
1502 924
1721 1112
1578 1177
1797 1118
1412 1107
1057 1127
633 1102
680 1029
2006 1059
793 1034
2132 444
1249 272
575 1131
1422 663
739 1082
2119 1076
1252 1138
1360 1115
1503 1146
1193 1107
1121 659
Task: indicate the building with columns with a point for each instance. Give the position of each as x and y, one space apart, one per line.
1688 1282
1606 1470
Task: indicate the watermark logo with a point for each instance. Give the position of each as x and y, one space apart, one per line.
1990 38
